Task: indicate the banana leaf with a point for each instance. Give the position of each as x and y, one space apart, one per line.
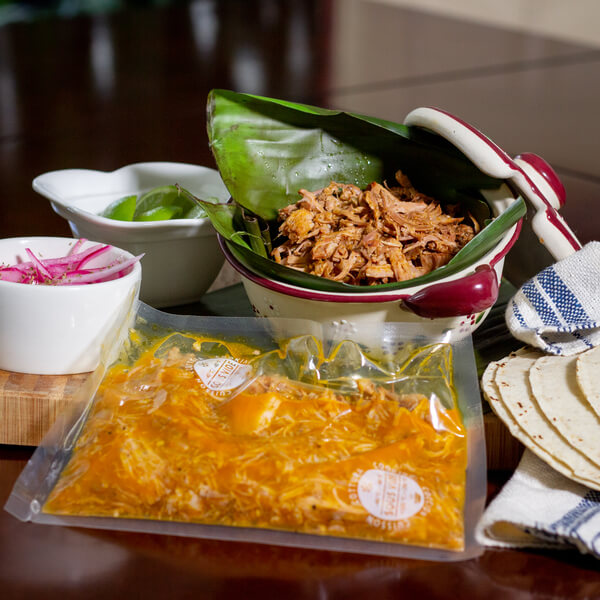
267 149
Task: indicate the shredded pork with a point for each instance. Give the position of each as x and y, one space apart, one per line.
379 235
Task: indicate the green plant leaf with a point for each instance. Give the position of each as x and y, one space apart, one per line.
226 218
267 149
488 237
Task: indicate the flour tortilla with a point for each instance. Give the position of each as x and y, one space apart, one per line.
587 369
571 464
554 385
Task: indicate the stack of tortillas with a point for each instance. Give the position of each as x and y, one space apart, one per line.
552 405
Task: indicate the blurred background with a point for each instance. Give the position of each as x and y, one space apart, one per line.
102 83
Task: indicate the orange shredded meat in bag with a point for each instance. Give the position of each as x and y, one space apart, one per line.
279 455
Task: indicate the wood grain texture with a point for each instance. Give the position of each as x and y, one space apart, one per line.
29 404
502 449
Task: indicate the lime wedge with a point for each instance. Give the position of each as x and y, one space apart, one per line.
121 209
165 195
159 204
196 212
160 213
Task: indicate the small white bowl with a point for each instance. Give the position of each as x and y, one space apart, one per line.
182 256
59 330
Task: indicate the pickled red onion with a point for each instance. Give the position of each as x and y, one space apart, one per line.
69 269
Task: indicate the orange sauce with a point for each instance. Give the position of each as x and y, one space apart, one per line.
278 455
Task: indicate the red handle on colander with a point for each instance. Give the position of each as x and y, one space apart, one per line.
465 296
531 175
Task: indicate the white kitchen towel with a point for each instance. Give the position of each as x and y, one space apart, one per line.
558 310
539 508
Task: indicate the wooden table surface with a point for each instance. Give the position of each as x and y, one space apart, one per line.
101 91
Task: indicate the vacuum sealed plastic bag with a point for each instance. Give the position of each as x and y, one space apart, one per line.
272 431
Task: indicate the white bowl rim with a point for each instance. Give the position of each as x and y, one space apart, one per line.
41 188
134 273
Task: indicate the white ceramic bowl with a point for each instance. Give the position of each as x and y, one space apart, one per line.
57 330
182 256
459 302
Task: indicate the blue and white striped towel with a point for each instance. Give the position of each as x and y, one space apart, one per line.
539 508
559 309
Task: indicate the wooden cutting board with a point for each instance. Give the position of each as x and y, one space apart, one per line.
29 405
